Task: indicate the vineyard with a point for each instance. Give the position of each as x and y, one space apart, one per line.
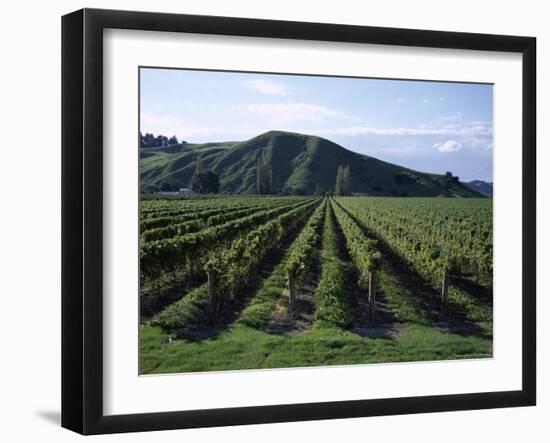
250 282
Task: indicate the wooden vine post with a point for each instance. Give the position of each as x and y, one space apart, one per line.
291 294
212 299
189 283
374 266
445 292
372 294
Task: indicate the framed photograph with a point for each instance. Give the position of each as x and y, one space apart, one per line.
269 221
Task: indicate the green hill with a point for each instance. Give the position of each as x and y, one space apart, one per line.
300 164
485 188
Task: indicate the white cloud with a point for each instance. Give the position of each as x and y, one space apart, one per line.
290 112
456 117
426 100
476 123
478 130
266 87
448 146
364 130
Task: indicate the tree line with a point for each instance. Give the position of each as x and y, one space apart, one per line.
151 141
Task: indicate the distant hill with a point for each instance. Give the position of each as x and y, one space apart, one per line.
301 164
485 188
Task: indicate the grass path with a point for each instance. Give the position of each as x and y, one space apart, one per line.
242 347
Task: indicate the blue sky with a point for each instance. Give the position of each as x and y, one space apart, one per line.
427 126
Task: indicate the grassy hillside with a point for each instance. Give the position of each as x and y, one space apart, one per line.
485 188
300 164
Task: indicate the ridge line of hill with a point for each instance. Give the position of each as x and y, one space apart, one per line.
300 164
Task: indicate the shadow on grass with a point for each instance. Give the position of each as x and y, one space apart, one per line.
482 294
155 301
230 310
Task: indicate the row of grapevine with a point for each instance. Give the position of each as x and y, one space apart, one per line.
226 246
170 218
229 270
302 251
432 255
362 252
182 208
236 267
180 216
200 222
155 208
173 230
161 256
434 236
331 308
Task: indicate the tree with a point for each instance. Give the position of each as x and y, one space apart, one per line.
343 181
203 181
449 180
346 175
338 188
147 140
161 140
259 178
269 177
264 175
199 165
197 183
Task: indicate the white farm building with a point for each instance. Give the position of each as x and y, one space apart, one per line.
186 191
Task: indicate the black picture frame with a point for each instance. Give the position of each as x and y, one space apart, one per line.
82 215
